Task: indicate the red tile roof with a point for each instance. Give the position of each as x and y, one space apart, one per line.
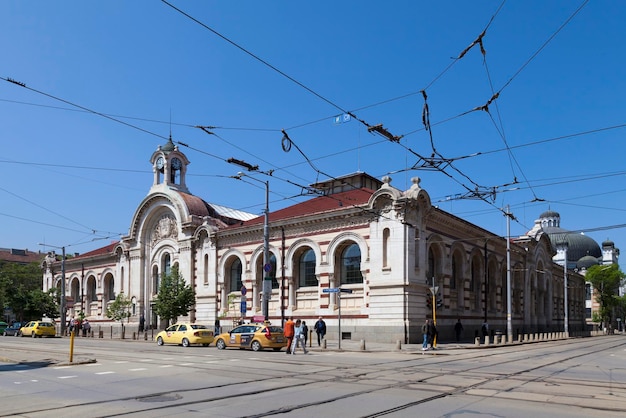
21 256
99 251
319 204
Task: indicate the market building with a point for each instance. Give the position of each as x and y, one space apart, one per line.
388 247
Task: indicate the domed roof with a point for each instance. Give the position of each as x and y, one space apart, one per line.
608 243
550 214
169 147
586 262
578 245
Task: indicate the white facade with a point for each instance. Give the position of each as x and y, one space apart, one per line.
383 244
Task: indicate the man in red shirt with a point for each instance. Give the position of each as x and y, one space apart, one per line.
288 332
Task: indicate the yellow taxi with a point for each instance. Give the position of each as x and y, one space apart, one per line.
38 329
255 336
185 334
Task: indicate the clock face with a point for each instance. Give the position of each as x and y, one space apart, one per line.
176 164
159 163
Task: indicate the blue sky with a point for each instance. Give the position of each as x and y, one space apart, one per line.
72 176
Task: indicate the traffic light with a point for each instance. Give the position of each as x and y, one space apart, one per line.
429 302
439 300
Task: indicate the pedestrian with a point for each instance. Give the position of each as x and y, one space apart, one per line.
305 332
289 331
432 335
320 329
298 338
458 329
142 323
425 335
485 331
86 328
72 324
218 327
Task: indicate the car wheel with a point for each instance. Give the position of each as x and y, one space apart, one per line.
220 344
159 341
185 342
256 346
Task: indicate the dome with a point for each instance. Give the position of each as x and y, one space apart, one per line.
550 214
586 262
169 147
578 245
608 243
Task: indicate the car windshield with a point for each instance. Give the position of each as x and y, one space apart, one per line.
196 326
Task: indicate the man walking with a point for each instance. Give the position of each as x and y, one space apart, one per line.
320 329
288 332
458 329
425 335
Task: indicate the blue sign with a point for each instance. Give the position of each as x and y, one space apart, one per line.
243 308
331 290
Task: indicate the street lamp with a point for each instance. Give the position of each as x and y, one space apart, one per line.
62 303
563 245
267 266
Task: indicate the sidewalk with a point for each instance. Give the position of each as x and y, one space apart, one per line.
38 359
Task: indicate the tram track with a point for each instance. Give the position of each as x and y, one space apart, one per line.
429 368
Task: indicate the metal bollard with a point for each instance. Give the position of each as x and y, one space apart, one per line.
398 345
477 341
324 344
362 345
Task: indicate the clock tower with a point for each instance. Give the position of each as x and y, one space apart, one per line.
170 167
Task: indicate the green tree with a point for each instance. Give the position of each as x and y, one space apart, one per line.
606 281
119 309
175 298
20 291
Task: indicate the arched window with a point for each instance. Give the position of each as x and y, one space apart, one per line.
350 265
91 289
386 235
272 273
155 280
166 267
205 268
431 265
456 271
306 269
234 279
109 287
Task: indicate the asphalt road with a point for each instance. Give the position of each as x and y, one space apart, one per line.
573 378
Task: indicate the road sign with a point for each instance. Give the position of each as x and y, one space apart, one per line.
345 290
243 290
243 307
331 290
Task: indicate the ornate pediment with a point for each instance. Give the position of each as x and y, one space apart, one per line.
165 228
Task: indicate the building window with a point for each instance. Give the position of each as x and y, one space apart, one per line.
272 273
588 291
386 235
166 266
235 275
306 269
155 280
350 265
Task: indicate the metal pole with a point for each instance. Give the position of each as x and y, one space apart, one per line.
267 279
339 316
282 286
62 307
566 317
486 281
509 326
